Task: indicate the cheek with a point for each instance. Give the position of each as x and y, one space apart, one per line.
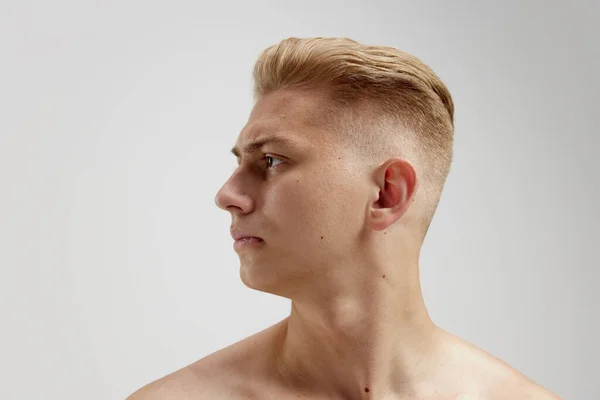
295 202
326 206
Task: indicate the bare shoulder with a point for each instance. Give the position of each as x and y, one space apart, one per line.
220 375
204 379
513 384
492 377
517 386
183 384
502 381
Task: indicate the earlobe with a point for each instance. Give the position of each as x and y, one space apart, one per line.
379 218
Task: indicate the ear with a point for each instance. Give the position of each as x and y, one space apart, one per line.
398 183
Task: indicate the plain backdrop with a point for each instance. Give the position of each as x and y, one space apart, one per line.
116 124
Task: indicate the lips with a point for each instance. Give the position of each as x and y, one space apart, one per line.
237 235
248 242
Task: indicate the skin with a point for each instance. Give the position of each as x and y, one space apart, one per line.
340 240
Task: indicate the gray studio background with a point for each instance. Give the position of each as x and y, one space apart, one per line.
117 119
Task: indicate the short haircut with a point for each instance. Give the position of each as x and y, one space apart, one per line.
385 101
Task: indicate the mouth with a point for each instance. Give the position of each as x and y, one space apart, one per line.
247 242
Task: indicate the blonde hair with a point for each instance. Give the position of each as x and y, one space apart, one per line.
385 101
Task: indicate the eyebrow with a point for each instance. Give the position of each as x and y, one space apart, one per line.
257 144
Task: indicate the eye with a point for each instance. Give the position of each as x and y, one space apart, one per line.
267 158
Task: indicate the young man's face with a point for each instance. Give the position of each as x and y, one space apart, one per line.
308 202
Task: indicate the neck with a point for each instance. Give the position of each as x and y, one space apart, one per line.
365 342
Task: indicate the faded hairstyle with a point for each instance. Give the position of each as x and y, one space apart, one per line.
384 101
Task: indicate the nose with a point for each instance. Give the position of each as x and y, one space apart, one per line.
230 197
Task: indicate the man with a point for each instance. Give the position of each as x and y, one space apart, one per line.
341 166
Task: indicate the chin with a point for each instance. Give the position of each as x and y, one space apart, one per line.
262 279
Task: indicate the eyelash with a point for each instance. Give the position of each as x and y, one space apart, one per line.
276 158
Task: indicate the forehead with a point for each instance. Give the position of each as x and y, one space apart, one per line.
292 114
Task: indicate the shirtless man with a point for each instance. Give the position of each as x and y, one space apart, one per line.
341 166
